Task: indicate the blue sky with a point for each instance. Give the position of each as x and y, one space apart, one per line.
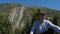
53 4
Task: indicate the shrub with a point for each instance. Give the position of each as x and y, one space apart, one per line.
5 25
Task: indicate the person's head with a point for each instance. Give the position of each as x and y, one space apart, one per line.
42 15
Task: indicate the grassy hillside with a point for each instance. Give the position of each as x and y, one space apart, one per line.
6 24
4 9
50 12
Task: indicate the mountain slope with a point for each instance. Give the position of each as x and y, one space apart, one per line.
4 9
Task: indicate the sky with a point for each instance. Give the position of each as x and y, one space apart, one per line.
53 4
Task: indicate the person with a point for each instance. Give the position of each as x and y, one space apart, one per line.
41 25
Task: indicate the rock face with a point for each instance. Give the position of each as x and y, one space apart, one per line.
19 16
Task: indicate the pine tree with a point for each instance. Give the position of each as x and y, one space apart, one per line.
55 21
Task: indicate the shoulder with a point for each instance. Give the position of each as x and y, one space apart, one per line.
35 24
36 21
48 21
